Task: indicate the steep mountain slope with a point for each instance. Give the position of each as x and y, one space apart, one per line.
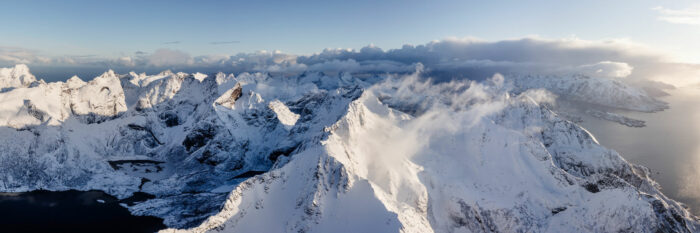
490 163
314 153
52 103
186 140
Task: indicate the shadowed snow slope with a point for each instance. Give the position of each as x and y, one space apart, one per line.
314 153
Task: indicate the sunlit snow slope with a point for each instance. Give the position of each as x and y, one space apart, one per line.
318 153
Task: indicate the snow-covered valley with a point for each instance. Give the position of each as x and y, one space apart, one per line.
311 152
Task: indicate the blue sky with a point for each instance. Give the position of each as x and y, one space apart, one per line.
121 28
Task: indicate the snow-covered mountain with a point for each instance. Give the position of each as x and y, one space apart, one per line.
605 92
315 153
17 76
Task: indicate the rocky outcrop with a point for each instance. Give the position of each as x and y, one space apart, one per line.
228 99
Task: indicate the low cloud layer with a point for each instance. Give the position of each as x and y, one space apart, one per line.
690 16
14 55
447 59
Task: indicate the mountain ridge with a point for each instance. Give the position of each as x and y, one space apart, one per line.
340 153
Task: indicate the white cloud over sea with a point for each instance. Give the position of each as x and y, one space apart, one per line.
449 58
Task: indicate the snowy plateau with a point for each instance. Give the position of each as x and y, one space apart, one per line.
317 152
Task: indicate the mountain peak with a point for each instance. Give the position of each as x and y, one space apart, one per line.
21 68
17 76
75 82
108 74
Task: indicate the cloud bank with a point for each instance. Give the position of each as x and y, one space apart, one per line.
14 55
445 59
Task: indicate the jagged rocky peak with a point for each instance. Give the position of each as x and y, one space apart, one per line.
94 101
223 78
75 82
108 75
228 99
102 97
156 89
166 73
285 116
135 78
199 76
17 76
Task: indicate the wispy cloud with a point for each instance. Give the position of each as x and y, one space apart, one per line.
224 42
689 16
172 42
84 56
20 55
167 57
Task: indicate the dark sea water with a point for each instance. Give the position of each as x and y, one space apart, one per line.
669 145
70 211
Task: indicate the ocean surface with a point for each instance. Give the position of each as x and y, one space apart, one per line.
669 145
70 211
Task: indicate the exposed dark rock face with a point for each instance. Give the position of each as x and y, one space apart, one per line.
237 92
169 118
35 112
199 136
